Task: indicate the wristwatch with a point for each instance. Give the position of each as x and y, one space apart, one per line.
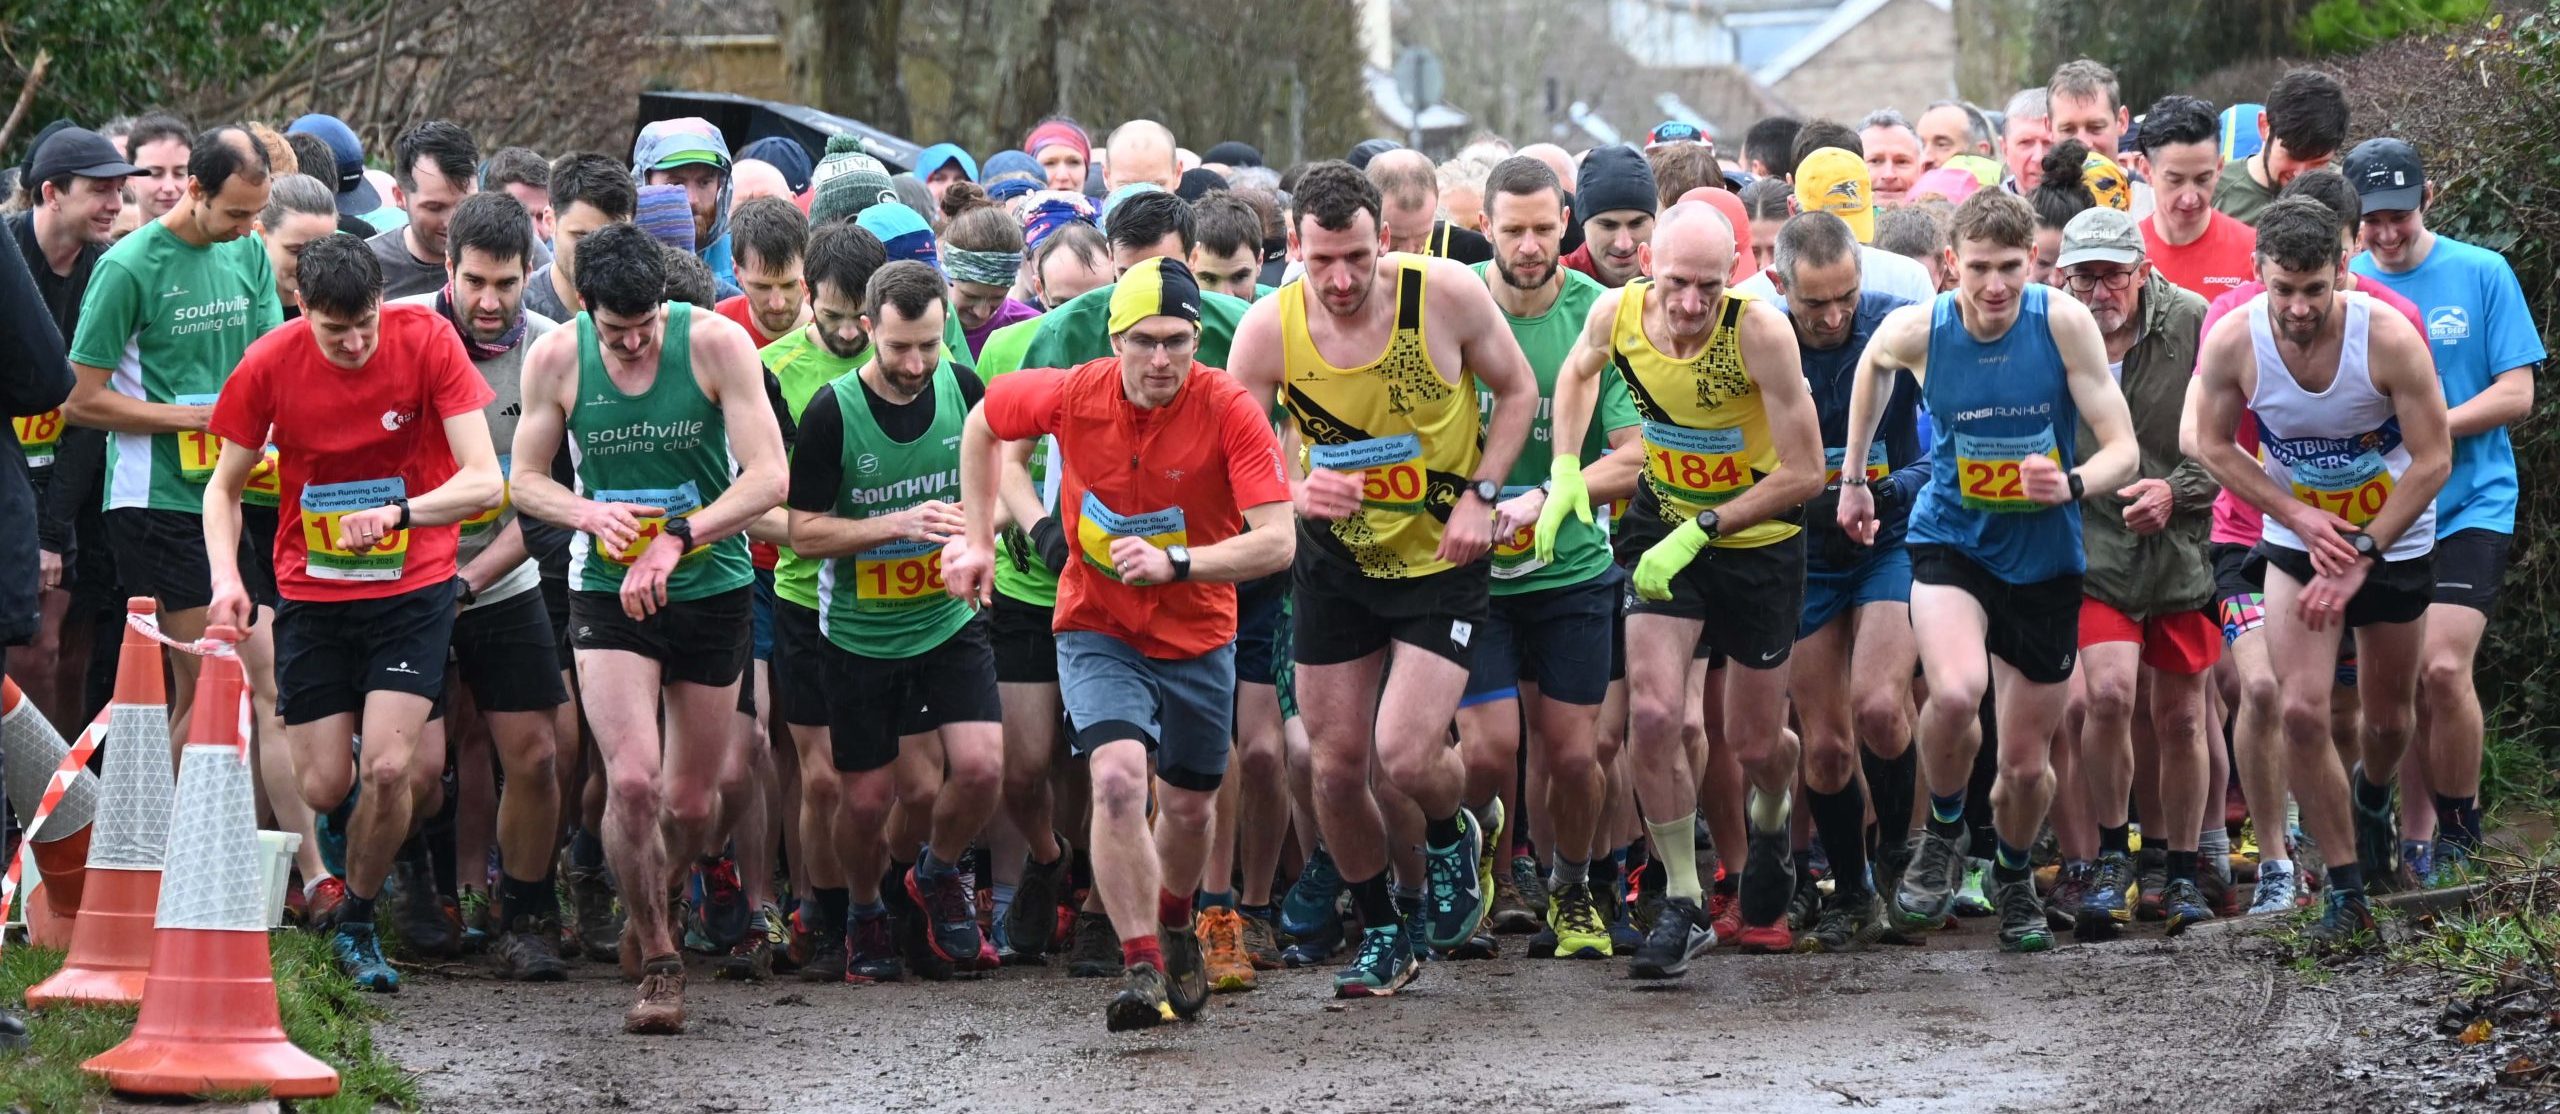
2364 544
2079 487
401 502
681 529
1180 555
1488 490
1709 525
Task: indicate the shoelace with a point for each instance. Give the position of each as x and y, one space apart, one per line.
1378 948
2270 888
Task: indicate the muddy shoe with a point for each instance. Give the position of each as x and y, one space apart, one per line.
2022 927
1031 922
1973 898
1512 915
2377 833
2070 885
660 1009
1386 963
418 915
1186 972
1849 922
1221 939
950 914
2185 905
528 953
749 960
2150 883
2346 921
1679 935
1261 940
1308 910
1493 830
1141 1002
825 962
1529 884
1928 888
599 927
320 909
1454 900
2104 907
1804 906
1096 951
871 952
13 1032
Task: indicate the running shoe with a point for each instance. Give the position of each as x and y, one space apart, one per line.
1494 829
527 951
418 914
1850 922
1261 940
1768 884
1680 934
2185 905
1383 966
591 902
2377 834
13 1032
321 907
1031 922
1141 1002
826 958
950 915
720 912
1186 972
2276 892
784 938
1530 884
478 915
871 952
1766 939
1453 899
1310 911
1221 933
1974 898
1574 921
1724 918
1512 913
2417 865
1804 904
751 959
333 842
1542 943
1096 951
2022 927
1893 857
2452 866
2346 919
1928 889
1646 887
2150 883
2213 880
660 1009
2070 888
2104 906
359 955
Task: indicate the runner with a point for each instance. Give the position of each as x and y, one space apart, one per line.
1146 663
2352 426
669 435
770 240
1854 653
1549 632
1614 199
690 151
1893 151
436 165
1409 186
912 711
1398 557
2026 136
589 192
2147 643
2486 350
2188 241
2302 129
1730 438
1226 246
502 645
382 452
1996 557
1951 128
164 147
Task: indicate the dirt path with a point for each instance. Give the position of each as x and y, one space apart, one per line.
1950 1027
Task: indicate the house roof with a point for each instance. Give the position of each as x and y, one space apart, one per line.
1843 19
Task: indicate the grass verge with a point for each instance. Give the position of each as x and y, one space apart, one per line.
323 1012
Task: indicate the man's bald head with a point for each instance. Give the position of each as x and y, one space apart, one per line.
1141 151
1689 258
1409 187
1556 159
753 178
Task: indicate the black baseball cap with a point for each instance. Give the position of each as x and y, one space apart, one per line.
356 195
78 151
2388 175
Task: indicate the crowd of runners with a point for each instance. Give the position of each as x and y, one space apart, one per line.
1171 567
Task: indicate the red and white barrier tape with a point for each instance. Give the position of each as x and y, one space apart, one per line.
73 762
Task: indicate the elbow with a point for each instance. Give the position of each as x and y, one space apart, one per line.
488 485
1284 552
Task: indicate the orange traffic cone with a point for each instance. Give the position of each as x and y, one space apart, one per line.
209 1018
32 750
111 943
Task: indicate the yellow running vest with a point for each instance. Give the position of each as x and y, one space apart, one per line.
1706 436
1412 435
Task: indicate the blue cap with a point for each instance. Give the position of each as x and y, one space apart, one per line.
904 233
356 195
785 154
2240 131
944 154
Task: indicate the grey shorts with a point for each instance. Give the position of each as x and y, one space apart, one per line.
1183 710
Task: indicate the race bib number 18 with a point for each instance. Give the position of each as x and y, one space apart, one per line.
323 505
198 450
37 435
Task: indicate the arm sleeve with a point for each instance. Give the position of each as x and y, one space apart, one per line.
35 376
1253 454
817 461
972 388
242 412
107 315
2512 342
2191 489
1024 404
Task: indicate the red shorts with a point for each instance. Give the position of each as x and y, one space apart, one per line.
2181 642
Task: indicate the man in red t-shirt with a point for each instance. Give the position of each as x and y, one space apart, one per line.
1172 494
2188 241
381 452
770 242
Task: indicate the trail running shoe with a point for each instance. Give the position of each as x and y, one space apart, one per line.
1724 918
1453 899
1490 833
1096 951
1383 966
719 907
2452 866
1974 898
13 1032
1261 941
950 914
1221 940
784 937
1928 889
2183 901
1542 943
418 914
2417 865
1893 856
661 1006
1512 913
871 952
1646 887
321 907
2346 919
2022 927
591 901
2377 834
2150 882
1031 922
1141 1002
1850 921
1309 911
1530 885
333 842
1186 974
2276 892
528 951
826 959
359 955
2104 905
2070 887
753 957
1804 903
1679 934
1575 921
479 917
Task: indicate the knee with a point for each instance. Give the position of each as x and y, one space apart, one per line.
634 790
1658 716
1828 767
867 798
532 764
1408 764
1339 777
1881 722
2444 675
1955 701
1120 788
975 773
820 791
388 774
688 806
1571 763
2258 693
2306 717
2111 700
1186 811
1261 765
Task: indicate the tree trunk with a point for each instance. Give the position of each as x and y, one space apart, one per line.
849 60
1994 42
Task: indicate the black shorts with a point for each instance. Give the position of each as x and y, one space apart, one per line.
2471 565
1260 610
506 657
1345 616
329 654
1558 638
874 702
1752 599
2394 592
799 665
160 554
1026 648
699 642
2034 627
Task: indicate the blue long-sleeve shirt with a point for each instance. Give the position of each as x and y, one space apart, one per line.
1831 373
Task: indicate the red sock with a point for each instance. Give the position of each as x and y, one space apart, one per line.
1172 910
1141 950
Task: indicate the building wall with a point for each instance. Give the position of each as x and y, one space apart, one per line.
1902 57
748 65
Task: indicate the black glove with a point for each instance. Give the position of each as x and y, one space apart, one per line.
1892 505
1829 546
1051 540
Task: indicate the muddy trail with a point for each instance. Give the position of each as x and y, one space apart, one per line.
2143 1023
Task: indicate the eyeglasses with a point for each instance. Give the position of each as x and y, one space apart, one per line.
2083 282
1176 347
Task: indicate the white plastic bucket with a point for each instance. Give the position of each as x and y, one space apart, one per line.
277 850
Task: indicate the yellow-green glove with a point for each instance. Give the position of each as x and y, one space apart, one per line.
1673 553
1565 495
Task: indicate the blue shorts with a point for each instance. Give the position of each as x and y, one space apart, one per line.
1882 578
763 615
1183 710
1561 638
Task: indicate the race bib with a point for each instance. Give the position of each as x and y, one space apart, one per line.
671 503
897 575
1390 470
1987 470
1699 468
1516 555
487 520
1097 525
1877 466
263 488
37 436
197 449
2354 490
324 504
